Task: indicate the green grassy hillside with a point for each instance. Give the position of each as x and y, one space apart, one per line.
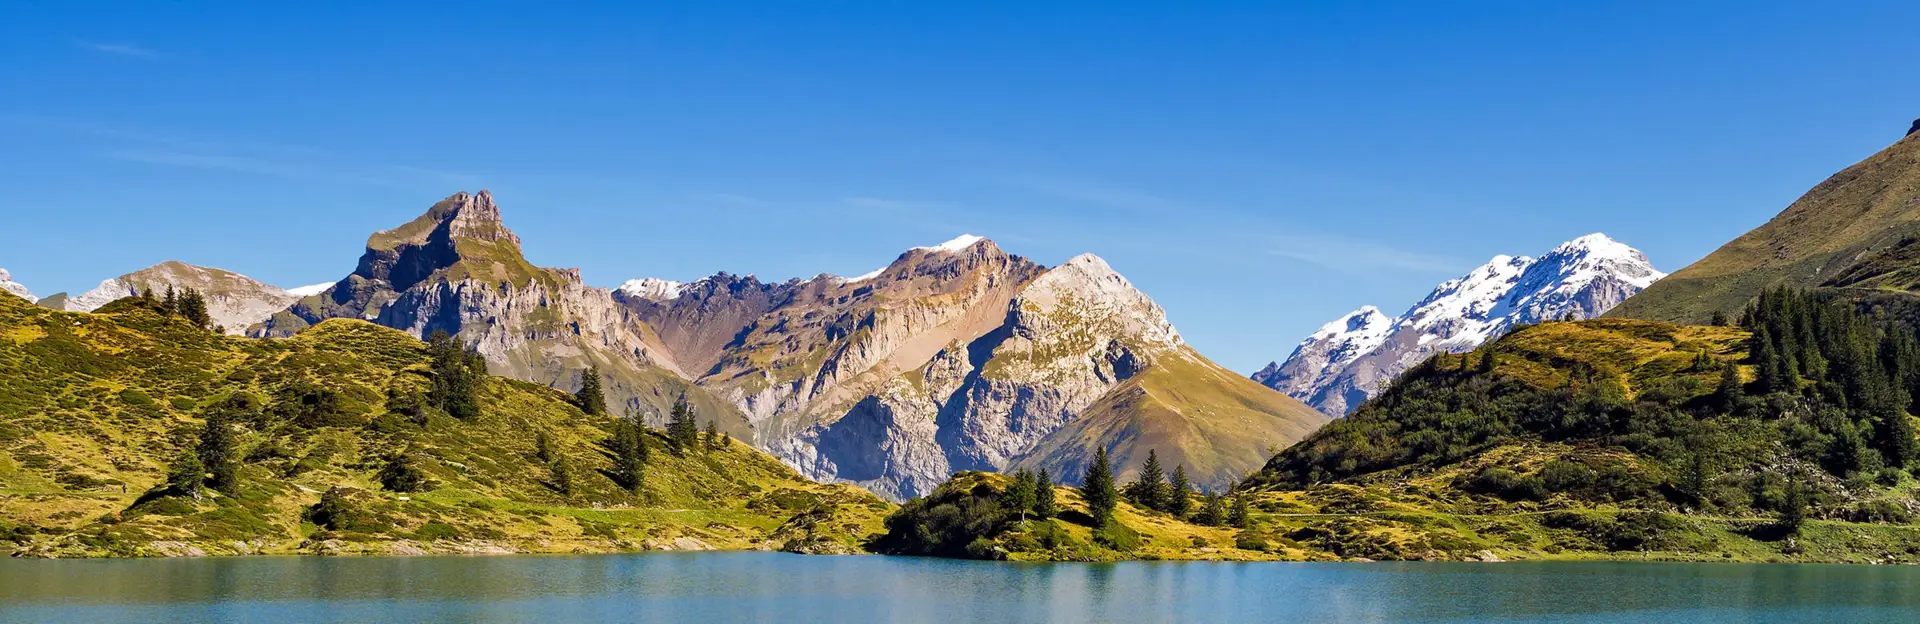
1841 230
95 407
1217 423
1623 439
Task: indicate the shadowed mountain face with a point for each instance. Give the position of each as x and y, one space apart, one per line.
1851 235
953 357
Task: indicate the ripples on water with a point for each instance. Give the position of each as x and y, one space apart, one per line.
767 587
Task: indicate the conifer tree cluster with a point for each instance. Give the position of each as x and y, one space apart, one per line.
1154 490
683 426
188 304
456 376
629 446
1864 373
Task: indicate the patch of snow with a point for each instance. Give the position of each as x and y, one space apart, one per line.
310 290
868 275
1580 279
959 243
652 288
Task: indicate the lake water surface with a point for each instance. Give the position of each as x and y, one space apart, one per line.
768 587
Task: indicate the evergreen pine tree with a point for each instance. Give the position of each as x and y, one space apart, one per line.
193 308
186 476
171 304
682 426
1719 319
1766 362
1793 512
1237 515
1213 510
1179 493
216 447
1097 488
562 475
542 446
1044 505
1487 361
591 398
1149 490
712 435
402 473
454 381
1730 391
1022 494
629 453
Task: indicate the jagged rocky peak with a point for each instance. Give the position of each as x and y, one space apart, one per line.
14 288
1332 347
1579 279
1087 286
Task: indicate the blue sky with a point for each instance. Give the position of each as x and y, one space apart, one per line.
1258 168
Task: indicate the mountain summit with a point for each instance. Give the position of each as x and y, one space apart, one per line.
1348 360
458 269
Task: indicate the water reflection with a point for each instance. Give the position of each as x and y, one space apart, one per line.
728 587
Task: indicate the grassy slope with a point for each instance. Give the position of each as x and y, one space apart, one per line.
93 406
1191 411
1419 511
1866 207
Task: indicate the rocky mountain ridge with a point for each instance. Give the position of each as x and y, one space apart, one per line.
1349 360
7 285
955 356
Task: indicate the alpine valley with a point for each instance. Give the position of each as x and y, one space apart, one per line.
1755 406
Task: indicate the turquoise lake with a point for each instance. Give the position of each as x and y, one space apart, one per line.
770 587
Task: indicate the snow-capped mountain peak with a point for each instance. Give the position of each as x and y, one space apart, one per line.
1580 279
16 288
652 288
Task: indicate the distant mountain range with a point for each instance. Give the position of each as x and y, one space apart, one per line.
1353 357
957 356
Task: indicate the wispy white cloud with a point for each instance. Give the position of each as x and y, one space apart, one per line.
119 49
1252 230
1343 253
372 175
300 162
